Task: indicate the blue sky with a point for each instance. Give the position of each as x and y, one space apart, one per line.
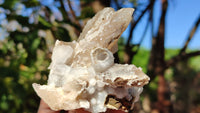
180 19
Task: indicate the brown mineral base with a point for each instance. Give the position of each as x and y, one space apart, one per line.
44 108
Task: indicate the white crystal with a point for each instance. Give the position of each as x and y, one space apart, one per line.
83 73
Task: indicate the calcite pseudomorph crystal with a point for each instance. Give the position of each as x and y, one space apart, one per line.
83 73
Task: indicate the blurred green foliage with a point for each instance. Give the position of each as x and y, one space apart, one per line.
23 61
25 55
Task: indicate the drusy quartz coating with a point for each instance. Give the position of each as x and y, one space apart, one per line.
83 73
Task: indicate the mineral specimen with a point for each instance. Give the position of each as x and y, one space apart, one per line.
83 73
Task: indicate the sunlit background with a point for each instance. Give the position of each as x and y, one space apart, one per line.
163 38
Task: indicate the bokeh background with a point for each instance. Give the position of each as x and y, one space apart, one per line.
163 38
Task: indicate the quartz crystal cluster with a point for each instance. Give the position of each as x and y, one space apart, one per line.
83 73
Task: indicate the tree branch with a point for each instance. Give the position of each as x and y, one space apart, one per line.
192 32
156 62
133 24
142 38
181 57
73 14
65 15
63 10
128 48
71 10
